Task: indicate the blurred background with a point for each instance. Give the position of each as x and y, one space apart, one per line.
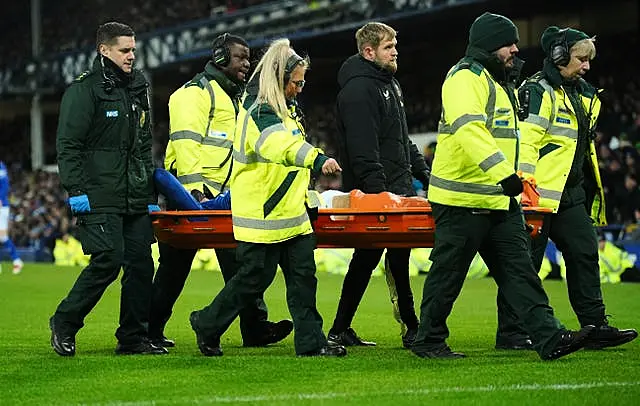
45 44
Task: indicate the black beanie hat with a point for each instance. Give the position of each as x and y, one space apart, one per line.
492 31
554 34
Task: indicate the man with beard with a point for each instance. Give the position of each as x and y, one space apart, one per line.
202 116
558 149
376 156
473 190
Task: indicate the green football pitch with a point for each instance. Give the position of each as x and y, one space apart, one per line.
31 373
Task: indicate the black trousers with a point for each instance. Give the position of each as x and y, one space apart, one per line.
362 265
169 281
114 241
501 239
573 232
259 266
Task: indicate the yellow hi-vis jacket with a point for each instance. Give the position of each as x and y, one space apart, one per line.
549 137
202 121
271 173
477 140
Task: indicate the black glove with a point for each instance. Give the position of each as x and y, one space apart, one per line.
423 177
511 185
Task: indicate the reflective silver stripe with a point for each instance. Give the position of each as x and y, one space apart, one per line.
491 102
547 88
550 194
217 142
302 153
492 161
277 224
204 82
499 132
250 158
215 185
460 122
241 155
528 168
191 178
197 178
266 133
563 132
456 186
538 120
186 135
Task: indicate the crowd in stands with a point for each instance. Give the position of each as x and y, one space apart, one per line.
73 26
38 207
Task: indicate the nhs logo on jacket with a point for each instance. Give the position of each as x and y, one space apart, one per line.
112 113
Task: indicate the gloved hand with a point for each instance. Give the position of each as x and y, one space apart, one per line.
424 179
79 204
511 185
153 207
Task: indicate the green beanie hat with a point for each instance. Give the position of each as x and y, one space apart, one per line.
554 34
492 31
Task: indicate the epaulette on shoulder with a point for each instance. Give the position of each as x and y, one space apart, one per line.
473 66
195 82
533 82
82 76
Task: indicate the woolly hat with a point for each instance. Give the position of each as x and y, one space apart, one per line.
492 31
554 34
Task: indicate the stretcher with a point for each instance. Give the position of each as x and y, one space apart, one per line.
370 221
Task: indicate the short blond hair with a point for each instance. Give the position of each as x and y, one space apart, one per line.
584 47
373 34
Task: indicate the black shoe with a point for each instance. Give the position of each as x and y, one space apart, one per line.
443 352
208 349
349 338
274 332
141 348
570 341
605 336
64 345
329 350
162 341
409 337
521 343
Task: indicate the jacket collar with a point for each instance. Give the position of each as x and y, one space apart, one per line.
113 76
211 72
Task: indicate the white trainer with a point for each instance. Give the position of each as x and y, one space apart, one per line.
17 266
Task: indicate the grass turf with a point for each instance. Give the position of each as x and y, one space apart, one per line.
31 373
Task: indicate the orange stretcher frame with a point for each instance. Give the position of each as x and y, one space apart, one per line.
407 227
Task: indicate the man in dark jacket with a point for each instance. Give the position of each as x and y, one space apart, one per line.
376 155
104 159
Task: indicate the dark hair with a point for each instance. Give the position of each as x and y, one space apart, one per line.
108 33
227 39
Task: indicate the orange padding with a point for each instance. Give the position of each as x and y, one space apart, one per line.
356 199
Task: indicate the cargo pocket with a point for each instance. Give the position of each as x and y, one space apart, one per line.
94 233
449 251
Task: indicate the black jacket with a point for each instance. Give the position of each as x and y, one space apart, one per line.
104 140
375 151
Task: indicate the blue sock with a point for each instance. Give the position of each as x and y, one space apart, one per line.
13 253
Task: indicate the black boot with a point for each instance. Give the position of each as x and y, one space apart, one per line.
570 341
273 333
208 348
348 338
605 336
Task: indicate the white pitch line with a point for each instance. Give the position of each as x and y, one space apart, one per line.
338 395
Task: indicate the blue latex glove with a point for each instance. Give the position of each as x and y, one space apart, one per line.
153 207
79 204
